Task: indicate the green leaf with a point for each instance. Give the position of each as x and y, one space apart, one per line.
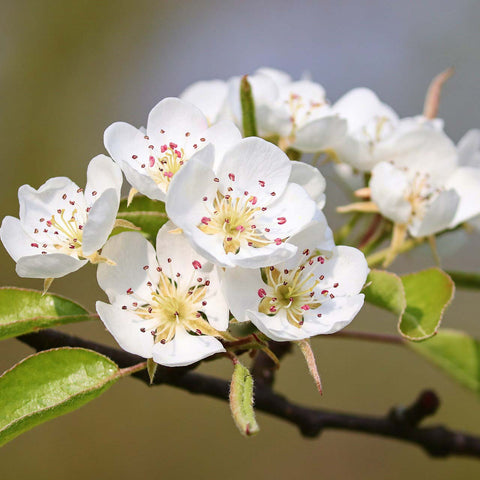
428 294
23 311
456 353
49 384
386 291
249 121
241 401
147 214
465 279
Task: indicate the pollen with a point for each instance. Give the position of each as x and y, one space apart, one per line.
233 219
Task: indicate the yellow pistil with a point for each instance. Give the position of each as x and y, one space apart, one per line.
162 169
234 220
292 291
171 306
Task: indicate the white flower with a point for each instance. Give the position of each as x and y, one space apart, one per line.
369 122
166 305
176 129
315 292
210 97
413 189
61 226
242 210
466 179
296 112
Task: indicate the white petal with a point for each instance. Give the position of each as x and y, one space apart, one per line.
289 214
320 134
185 349
131 252
185 205
468 149
347 269
216 309
277 327
438 215
278 76
142 182
466 182
100 222
420 149
14 238
223 135
336 313
44 202
102 174
175 117
123 142
251 162
125 327
311 180
51 265
389 188
315 236
209 97
241 286
175 255
355 153
210 246
251 257
359 106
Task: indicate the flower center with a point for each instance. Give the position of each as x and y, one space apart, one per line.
234 220
162 168
300 110
377 129
69 232
421 191
171 305
293 291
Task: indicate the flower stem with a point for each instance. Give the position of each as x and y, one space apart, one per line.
123 372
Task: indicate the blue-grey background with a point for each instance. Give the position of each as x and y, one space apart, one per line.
69 69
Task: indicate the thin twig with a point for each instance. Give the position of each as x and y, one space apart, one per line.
438 441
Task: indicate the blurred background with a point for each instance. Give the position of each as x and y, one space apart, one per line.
69 69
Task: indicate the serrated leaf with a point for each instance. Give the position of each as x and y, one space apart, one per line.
428 294
385 290
23 311
147 214
49 384
455 352
241 400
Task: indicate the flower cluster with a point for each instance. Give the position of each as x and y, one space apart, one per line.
246 239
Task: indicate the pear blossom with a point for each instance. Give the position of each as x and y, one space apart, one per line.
294 112
242 210
165 305
317 291
369 122
151 157
211 98
412 188
62 226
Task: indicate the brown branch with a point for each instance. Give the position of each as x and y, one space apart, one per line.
399 423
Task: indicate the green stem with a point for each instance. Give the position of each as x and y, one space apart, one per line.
133 369
249 120
468 280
